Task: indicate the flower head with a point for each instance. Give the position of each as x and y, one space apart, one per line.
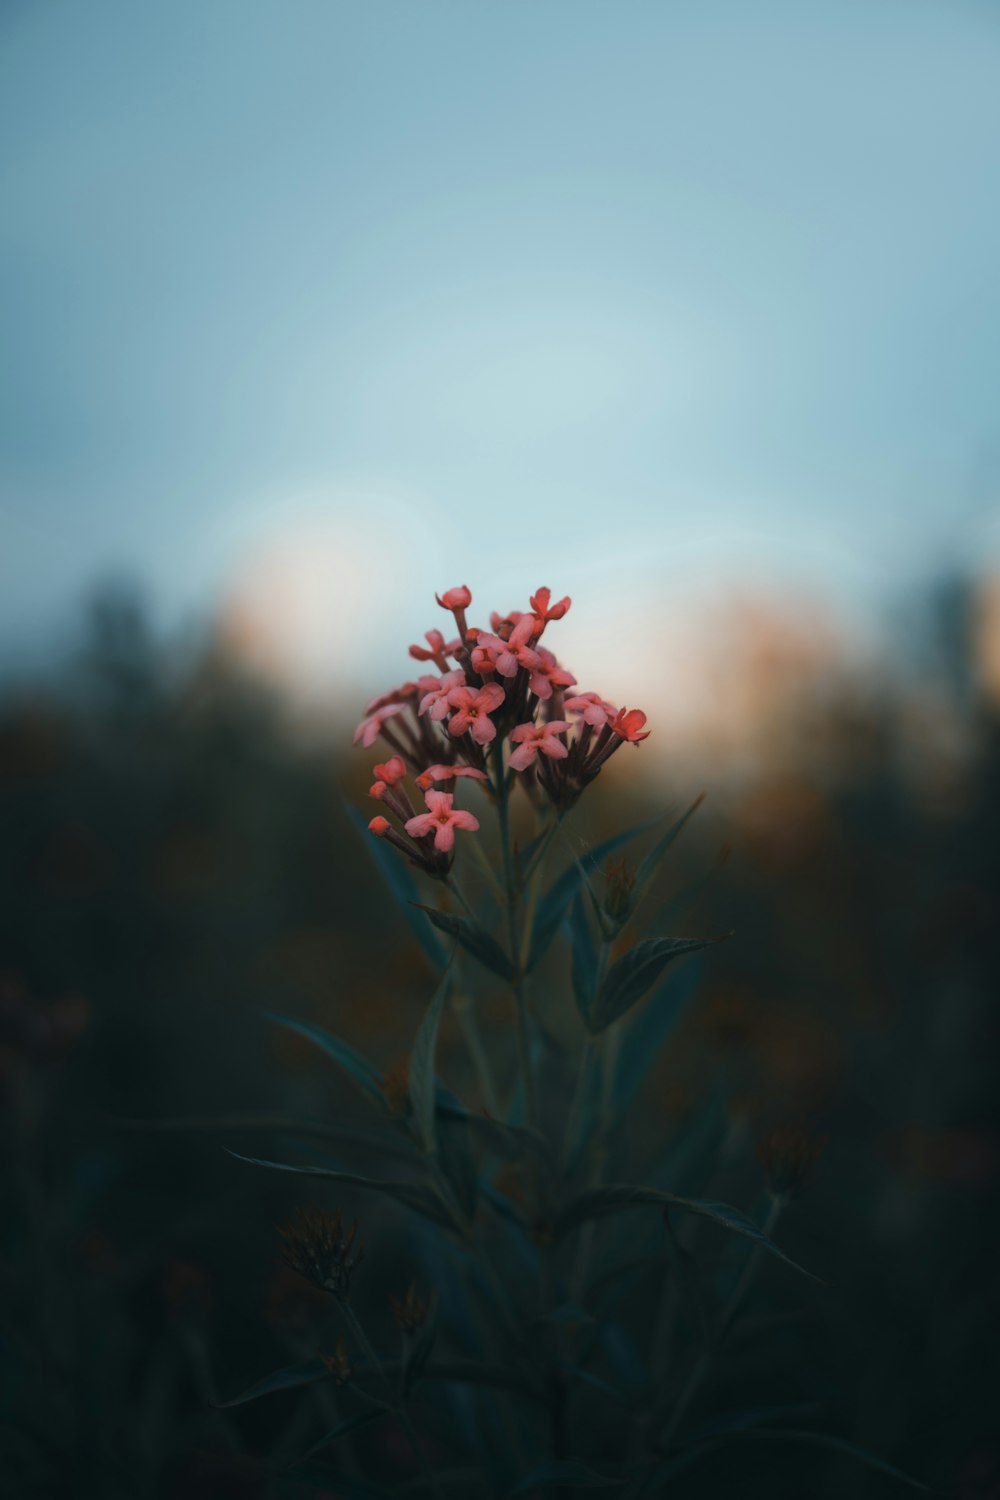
628 725
594 709
392 771
545 612
318 1249
379 826
531 739
437 649
514 652
472 711
457 598
436 690
370 727
548 675
442 819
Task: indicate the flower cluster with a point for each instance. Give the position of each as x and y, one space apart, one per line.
498 708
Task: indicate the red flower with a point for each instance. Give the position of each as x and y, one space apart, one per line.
540 604
510 654
442 820
473 709
436 690
628 724
370 728
548 675
379 827
457 598
427 778
595 710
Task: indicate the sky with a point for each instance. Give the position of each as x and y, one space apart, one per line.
318 306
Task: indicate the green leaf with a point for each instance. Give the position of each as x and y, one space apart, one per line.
651 864
349 1424
422 1062
808 1439
506 1140
419 1349
306 1372
567 1474
650 1028
423 1200
458 1163
473 939
396 874
343 1054
584 959
630 978
598 1203
553 904
353 1136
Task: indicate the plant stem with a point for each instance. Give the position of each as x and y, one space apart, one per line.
517 982
395 1406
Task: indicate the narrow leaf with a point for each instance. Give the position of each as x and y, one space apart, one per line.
419 1349
422 1061
634 973
349 1424
343 1054
566 1474
584 959
553 904
396 874
651 864
306 1372
473 939
598 1203
651 1026
423 1200
791 1435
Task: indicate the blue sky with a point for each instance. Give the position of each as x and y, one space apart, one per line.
582 292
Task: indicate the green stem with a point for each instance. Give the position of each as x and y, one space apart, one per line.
517 982
396 1407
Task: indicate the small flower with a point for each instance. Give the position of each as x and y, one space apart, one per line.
392 771
532 738
594 709
379 826
540 605
339 1363
437 649
628 725
441 820
473 709
410 1310
370 727
457 598
548 675
512 653
427 778
435 699
318 1249
394 695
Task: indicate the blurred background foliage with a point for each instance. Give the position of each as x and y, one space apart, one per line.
177 860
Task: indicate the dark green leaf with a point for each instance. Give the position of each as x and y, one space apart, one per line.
566 1474
651 864
457 1162
354 1136
423 1200
422 1063
553 904
397 876
347 1057
598 1203
808 1439
650 1027
584 959
349 1424
630 978
306 1372
473 939
419 1348
506 1140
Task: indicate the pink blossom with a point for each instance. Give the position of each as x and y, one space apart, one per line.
370 727
427 778
512 653
441 820
595 710
457 598
392 771
548 675
394 695
532 738
473 709
436 650
435 699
